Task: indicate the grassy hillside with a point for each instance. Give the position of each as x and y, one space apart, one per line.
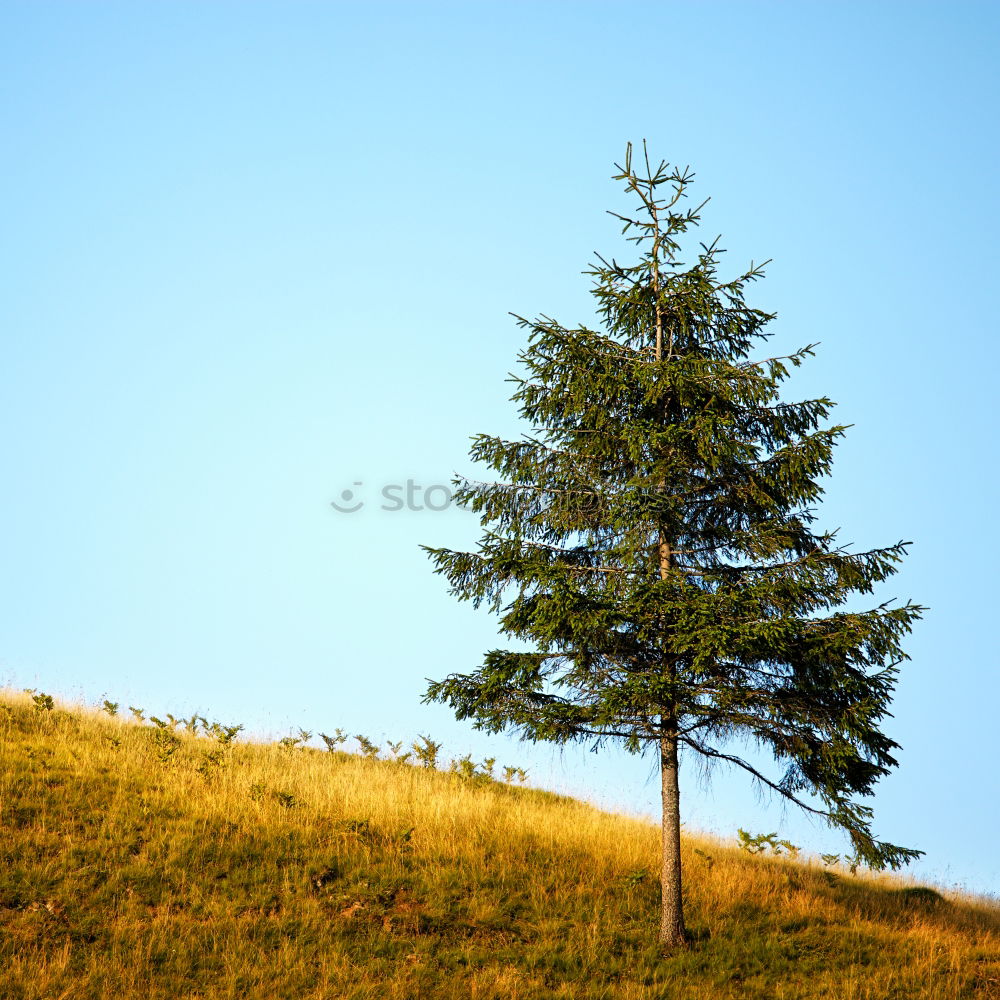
144 863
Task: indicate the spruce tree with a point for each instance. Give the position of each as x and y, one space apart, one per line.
651 541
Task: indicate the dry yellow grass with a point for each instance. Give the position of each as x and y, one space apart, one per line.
136 870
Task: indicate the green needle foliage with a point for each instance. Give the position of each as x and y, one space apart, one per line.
652 541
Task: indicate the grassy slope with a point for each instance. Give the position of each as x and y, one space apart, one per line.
276 873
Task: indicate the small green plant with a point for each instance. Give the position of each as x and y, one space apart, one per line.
111 707
510 773
211 761
831 878
295 742
762 841
426 751
754 845
165 744
333 742
397 756
43 702
137 713
286 800
635 878
463 767
224 734
113 741
707 858
466 768
368 748
258 790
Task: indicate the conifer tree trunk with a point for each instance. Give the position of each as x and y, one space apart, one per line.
672 932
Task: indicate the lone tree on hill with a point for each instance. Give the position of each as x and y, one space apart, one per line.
652 541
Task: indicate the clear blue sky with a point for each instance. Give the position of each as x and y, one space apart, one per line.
255 253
